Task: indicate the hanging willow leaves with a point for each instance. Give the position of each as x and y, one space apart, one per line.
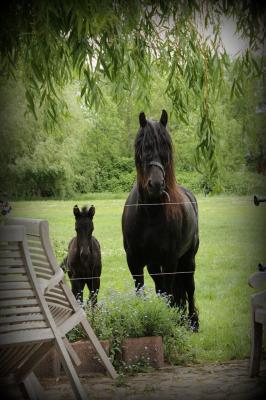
94 41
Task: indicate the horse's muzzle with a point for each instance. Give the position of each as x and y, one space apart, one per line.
84 252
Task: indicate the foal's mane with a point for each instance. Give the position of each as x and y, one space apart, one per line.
154 140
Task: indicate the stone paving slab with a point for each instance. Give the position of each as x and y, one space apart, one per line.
228 381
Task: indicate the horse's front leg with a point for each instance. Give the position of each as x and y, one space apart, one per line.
192 311
185 282
169 271
136 267
156 274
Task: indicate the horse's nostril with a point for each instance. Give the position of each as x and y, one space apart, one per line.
150 183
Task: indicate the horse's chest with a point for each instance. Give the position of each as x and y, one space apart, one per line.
155 242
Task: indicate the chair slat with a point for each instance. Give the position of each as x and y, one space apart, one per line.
6 294
19 310
11 270
14 285
9 261
9 253
23 326
35 244
39 258
24 336
13 278
17 302
5 246
21 318
36 251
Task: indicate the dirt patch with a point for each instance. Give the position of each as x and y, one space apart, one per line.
228 381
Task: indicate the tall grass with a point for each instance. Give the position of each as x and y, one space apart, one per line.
232 242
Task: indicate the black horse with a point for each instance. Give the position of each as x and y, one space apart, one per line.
83 261
160 220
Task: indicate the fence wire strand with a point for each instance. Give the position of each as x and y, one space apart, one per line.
136 275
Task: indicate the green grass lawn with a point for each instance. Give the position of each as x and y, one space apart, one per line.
232 242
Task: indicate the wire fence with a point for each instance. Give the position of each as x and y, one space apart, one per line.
223 201
112 203
136 275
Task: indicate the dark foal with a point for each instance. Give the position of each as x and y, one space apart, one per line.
160 220
84 256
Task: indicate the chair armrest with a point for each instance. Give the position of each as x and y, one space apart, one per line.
55 279
257 280
258 299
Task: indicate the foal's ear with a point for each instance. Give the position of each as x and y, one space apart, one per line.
142 119
76 211
91 212
164 118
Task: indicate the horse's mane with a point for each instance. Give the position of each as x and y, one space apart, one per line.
84 210
152 140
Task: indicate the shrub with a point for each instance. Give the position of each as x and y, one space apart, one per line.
192 180
243 182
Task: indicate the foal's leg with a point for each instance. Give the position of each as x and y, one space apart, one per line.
93 286
77 288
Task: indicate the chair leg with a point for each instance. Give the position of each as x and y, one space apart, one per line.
256 348
80 393
98 347
33 388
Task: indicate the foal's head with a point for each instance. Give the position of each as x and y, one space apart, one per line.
84 228
154 158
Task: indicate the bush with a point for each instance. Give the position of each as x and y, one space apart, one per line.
115 175
243 183
191 180
232 182
124 315
43 173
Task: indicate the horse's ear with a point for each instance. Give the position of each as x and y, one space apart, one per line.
142 119
164 118
91 212
76 211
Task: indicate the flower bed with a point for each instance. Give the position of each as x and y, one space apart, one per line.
121 316
137 331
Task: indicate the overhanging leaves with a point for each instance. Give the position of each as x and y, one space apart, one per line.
98 41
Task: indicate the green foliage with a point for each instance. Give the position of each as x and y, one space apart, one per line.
98 42
126 315
243 182
93 151
42 173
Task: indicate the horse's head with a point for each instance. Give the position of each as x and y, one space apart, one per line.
153 157
84 228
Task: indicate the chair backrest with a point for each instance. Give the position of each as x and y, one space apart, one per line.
42 256
46 266
23 322
257 280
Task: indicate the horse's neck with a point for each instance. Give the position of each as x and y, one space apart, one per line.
150 210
